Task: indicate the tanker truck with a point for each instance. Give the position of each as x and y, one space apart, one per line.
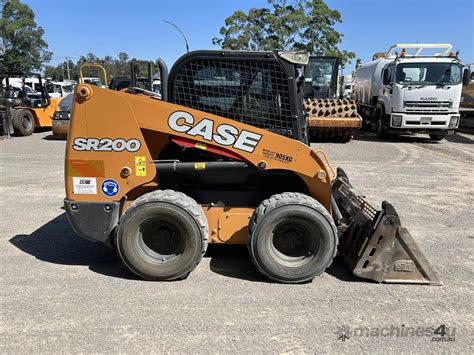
412 88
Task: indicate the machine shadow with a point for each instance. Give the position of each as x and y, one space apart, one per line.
362 135
52 137
367 136
56 243
456 138
234 261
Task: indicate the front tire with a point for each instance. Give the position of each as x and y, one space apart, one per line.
380 129
292 238
162 236
23 122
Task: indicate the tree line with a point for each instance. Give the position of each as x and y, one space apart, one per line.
114 66
283 25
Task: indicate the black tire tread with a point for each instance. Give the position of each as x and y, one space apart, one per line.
284 199
16 115
185 202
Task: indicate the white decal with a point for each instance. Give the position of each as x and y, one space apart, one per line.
176 116
203 129
106 144
84 185
226 134
247 141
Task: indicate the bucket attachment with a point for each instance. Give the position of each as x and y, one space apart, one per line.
374 244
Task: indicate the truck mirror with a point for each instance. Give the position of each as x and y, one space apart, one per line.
466 78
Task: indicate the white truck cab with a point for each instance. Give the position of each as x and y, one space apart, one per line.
346 86
402 92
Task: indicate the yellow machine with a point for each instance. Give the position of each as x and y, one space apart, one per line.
329 118
223 158
30 109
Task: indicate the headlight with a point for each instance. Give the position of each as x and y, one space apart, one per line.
397 120
453 122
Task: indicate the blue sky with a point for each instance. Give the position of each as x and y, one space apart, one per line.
107 27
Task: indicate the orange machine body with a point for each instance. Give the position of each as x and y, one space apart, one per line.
44 115
119 136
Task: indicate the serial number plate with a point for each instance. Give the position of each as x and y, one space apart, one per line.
425 120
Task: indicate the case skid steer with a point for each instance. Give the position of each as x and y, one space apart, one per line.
223 157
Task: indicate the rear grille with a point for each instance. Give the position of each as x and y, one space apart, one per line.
248 91
427 106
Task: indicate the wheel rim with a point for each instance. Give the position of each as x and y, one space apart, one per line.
160 240
26 122
294 243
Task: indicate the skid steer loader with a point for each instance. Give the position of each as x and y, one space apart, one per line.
329 117
223 157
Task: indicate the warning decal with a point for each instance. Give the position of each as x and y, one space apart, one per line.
140 166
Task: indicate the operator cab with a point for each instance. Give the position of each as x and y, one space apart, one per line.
321 77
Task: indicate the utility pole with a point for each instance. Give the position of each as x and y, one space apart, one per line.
67 66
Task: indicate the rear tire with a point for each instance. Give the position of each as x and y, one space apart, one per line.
163 235
437 137
292 238
23 122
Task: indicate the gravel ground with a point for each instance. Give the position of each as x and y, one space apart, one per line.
60 293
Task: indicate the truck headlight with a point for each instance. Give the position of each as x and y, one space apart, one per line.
397 120
453 122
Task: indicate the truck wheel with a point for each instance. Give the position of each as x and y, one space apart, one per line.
292 238
23 122
163 235
437 137
380 130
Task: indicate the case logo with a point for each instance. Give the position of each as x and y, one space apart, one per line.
226 134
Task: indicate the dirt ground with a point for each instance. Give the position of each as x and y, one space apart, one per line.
60 293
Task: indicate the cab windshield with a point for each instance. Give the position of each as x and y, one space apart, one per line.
429 73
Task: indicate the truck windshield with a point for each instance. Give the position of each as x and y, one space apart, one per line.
429 73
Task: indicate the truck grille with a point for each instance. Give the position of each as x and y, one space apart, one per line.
428 106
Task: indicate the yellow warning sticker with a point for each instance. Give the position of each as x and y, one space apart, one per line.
201 146
199 166
140 166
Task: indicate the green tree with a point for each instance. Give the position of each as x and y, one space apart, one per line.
288 25
25 48
115 66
